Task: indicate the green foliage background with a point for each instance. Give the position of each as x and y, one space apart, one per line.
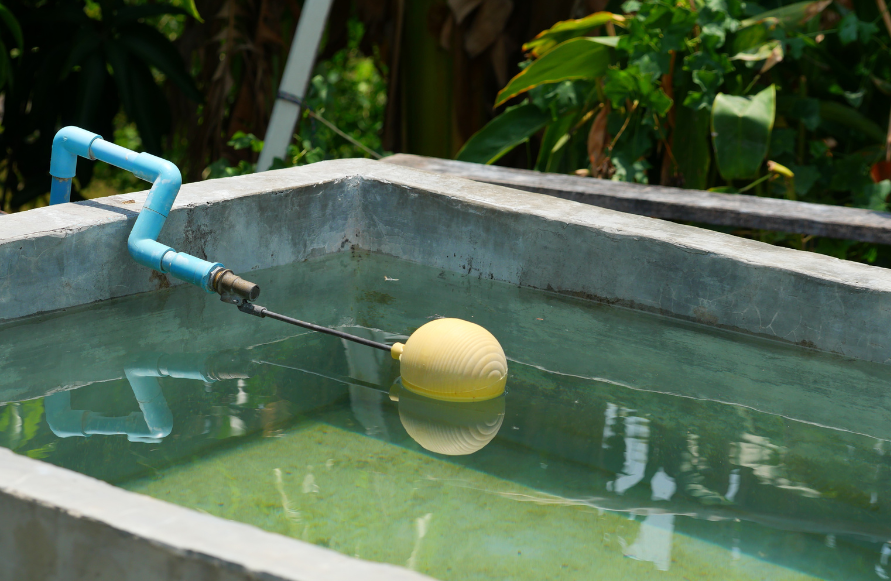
785 101
349 90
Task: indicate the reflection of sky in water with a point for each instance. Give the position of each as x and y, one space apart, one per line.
312 440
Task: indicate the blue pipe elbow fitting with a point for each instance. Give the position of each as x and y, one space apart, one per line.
166 180
68 143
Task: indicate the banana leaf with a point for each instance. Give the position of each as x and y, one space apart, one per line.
503 133
567 29
579 58
791 15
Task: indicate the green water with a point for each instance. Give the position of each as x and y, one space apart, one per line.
628 445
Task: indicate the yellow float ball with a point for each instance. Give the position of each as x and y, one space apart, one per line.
452 360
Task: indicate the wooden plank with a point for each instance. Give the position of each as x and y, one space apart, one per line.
741 211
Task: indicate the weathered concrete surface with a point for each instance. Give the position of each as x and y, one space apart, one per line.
64 256
741 211
647 264
58 525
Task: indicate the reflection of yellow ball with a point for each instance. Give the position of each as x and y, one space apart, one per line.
452 360
449 427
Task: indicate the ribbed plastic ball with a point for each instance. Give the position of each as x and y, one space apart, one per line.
453 360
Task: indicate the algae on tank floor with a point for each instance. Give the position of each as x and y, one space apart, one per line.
366 498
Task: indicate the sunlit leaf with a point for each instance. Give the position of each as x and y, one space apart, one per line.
193 10
567 29
757 53
786 175
791 15
741 129
629 85
579 58
708 83
503 133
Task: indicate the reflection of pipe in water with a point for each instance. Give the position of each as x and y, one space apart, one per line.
154 421
66 422
448 427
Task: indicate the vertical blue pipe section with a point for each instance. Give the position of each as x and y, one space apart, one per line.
71 142
60 191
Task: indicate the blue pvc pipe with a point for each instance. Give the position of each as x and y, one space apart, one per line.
71 142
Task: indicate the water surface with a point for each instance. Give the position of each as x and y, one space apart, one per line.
628 445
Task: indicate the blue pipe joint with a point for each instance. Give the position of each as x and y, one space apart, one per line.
68 143
190 269
166 181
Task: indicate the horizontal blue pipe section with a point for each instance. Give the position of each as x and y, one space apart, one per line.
71 142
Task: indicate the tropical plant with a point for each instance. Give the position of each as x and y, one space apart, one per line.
12 27
346 90
81 64
718 94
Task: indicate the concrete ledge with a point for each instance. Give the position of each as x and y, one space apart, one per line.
60 525
741 211
64 256
642 263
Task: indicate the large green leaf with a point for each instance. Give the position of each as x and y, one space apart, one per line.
140 95
90 88
503 133
127 14
86 43
741 129
791 15
549 154
5 66
691 146
579 58
13 25
567 29
153 48
844 115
